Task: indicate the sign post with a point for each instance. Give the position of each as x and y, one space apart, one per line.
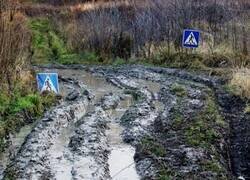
190 38
48 82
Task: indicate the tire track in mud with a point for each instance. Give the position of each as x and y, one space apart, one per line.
158 130
185 161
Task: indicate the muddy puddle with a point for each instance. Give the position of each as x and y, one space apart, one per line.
62 160
94 147
16 142
121 158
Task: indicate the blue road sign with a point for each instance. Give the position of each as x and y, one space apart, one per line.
190 38
48 82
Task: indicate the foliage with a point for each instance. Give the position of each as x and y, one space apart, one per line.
151 146
177 119
178 90
203 131
14 109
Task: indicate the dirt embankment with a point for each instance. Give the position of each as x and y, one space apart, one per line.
178 125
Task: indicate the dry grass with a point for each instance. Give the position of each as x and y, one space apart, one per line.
241 82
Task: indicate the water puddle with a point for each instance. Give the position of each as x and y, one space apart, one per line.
17 140
59 152
121 163
97 85
61 158
153 87
121 158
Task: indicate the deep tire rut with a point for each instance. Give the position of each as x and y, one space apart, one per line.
163 123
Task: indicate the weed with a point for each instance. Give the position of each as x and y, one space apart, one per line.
240 83
214 165
202 132
118 62
178 119
10 120
247 109
178 90
151 146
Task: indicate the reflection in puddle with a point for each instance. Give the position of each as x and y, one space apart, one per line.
121 163
121 158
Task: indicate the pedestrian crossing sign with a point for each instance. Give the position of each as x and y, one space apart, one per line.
190 38
48 82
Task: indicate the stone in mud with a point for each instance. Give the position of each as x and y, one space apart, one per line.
73 95
110 101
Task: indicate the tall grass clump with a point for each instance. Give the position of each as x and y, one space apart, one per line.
240 82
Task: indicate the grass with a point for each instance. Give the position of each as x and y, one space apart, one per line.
151 146
247 109
178 90
49 46
118 62
165 174
177 117
203 131
240 83
212 165
11 108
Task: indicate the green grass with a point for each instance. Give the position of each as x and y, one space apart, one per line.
202 132
178 90
12 107
177 118
49 46
151 146
233 90
118 62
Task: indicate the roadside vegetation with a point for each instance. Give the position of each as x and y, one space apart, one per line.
19 102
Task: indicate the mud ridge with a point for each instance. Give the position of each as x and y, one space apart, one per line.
181 125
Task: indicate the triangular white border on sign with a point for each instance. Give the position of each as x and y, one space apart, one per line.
191 40
51 86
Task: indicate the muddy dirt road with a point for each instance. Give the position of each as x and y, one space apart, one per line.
134 122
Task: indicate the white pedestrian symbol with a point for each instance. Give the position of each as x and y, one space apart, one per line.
48 85
191 40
